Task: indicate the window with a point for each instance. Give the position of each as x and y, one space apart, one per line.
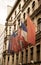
26 56
12 59
32 53
33 4
28 10
19 22
17 59
6 30
8 58
39 24
22 56
14 24
25 0
19 6
24 15
38 52
15 13
9 30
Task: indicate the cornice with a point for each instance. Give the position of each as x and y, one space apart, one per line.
13 9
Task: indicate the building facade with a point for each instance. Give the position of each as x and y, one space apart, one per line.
2 33
32 54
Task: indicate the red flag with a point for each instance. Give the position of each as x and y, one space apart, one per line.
30 31
18 44
20 34
24 42
15 46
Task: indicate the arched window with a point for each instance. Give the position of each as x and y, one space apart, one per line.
33 4
10 30
14 25
24 15
19 6
19 22
28 10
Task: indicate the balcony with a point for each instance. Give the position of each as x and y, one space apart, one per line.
36 12
6 38
5 52
38 36
26 4
18 14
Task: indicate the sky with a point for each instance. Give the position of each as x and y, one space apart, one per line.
3 9
3 16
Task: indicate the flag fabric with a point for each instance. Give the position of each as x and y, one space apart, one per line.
18 44
31 31
20 38
25 36
15 42
22 35
14 45
24 43
24 31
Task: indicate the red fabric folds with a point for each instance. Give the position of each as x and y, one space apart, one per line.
31 31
